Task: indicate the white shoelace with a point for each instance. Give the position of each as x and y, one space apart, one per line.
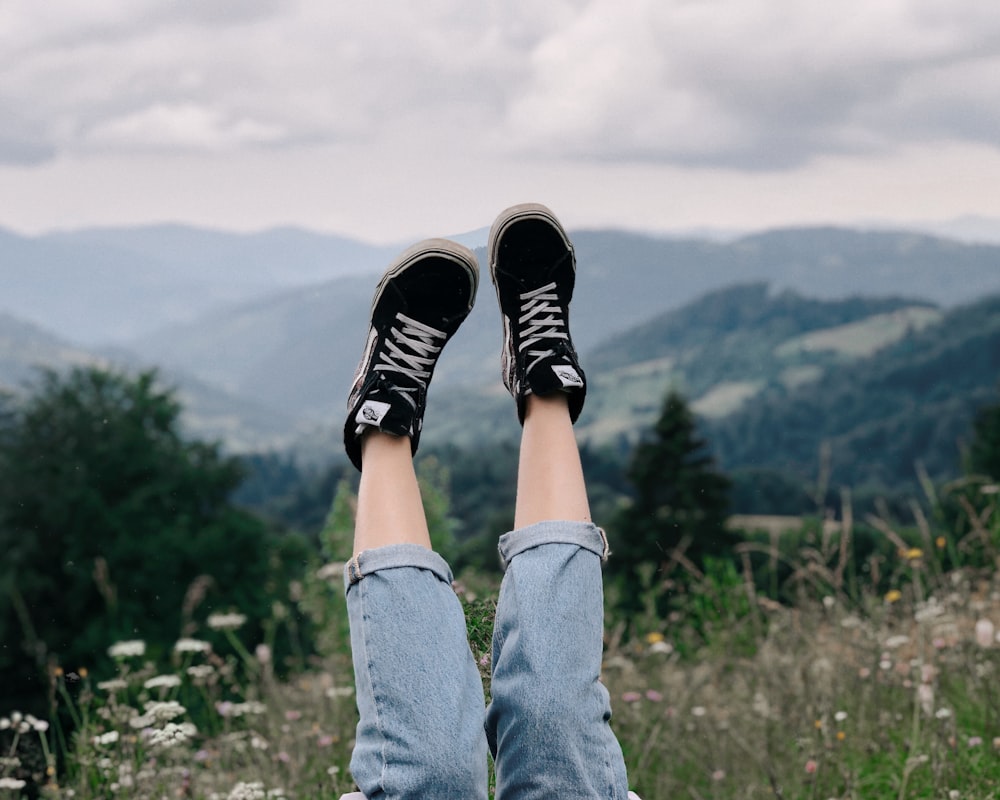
420 340
544 321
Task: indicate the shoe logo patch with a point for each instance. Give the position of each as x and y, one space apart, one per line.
567 376
372 412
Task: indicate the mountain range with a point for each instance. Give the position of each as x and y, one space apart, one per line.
261 333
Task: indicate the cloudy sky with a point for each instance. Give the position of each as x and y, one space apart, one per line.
392 119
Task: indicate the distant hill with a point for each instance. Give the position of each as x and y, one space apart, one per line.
909 402
108 285
208 412
297 350
720 351
729 346
24 347
737 326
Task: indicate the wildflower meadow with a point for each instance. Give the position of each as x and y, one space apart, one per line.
846 690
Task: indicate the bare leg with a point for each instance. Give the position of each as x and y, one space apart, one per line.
390 510
547 723
550 483
420 698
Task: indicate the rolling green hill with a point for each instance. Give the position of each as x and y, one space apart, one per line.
908 403
759 333
721 351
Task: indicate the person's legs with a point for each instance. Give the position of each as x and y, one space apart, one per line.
419 694
548 722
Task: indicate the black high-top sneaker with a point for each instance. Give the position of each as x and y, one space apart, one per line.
419 304
534 269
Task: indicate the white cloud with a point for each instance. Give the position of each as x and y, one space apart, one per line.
757 83
181 126
748 84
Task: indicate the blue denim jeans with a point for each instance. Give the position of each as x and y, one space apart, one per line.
424 729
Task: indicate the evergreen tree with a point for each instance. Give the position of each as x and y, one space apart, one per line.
984 454
679 509
107 518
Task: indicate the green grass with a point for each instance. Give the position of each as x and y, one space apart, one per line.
733 697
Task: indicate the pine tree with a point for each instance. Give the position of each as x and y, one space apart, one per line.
107 517
680 506
984 454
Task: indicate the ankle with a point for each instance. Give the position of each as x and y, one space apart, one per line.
377 444
552 405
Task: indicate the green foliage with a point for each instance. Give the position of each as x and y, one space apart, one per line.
298 496
984 453
680 507
322 587
767 491
909 404
113 526
735 333
718 601
434 480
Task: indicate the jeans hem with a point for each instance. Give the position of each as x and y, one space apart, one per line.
395 556
583 534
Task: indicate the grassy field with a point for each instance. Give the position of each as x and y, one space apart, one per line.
891 695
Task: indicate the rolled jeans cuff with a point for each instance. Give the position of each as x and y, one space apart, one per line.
583 534
395 556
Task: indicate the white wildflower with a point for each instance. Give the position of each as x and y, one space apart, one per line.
896 641
250 707
172 734
163 711
38 725
200 672
11 783
943 713
163 682
226 622
113 685
106 738
192 646
928 611
339 691
840 716
133 648
699 711
126 779
984 632
4 723
16 717
142 721
925 696
253 790
661 647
